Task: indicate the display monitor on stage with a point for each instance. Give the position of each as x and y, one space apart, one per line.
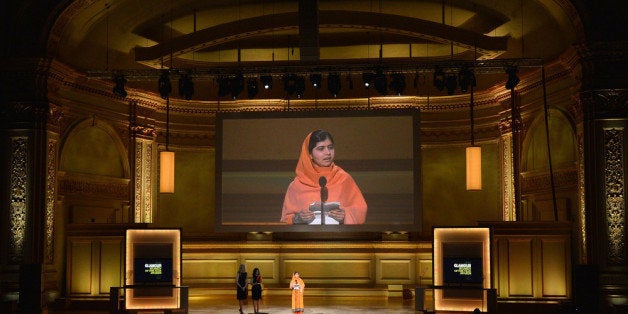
257 154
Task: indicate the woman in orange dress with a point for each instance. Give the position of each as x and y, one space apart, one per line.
316 168
297 286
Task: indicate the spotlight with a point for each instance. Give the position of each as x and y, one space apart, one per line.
164 84
439 78
118 88
293 83
223 86
267 81
451 84
398 83
333 84
367 77
186 87
466 78
251 87
237 85
316 79
289 83
380 81
299 86
513 79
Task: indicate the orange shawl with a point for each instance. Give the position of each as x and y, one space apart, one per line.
297 294
305 189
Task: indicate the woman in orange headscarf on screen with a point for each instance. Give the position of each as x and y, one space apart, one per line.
319 179
297 286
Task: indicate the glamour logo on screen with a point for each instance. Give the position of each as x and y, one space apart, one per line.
462 268
153 269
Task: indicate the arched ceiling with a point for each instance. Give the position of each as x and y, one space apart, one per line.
120 35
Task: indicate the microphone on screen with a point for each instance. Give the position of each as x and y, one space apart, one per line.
322 181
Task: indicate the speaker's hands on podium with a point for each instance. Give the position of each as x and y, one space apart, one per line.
303 217
338 214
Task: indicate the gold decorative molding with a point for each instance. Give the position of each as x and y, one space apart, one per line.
533 182
614 191
19 174
143 211
93 186
51 196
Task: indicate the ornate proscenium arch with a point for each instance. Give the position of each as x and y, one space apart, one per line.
410 29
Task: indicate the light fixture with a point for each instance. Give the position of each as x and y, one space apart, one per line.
251 87
267 81
451 83
315 79
223 86
398 83
380 81
333 84
166 159
367 78
473 156
439 78
299 86
165 87
236 85
466 79
186 87
513 79
118 88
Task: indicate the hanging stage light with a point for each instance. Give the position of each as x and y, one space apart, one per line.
513 79
398 83
223 86
186 87
251 87
165 87
316 79
367 77
466 79
451 84
333 84
439 78
380 81
237 85
267 81
118 88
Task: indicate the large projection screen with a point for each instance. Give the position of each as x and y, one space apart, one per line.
257 153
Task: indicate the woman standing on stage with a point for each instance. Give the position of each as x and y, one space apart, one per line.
242 291
297 286
256 289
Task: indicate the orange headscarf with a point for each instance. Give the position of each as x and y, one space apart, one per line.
305 189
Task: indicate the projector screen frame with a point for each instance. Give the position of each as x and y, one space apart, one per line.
413 225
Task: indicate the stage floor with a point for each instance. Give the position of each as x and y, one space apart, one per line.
278 304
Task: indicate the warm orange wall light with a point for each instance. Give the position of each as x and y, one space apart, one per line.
166 172
474 168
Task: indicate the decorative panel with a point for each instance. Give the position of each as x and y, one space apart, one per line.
396 270
615 203
143 179
19 188
80 267
51 196
554 271
111 264
520 267
210 270
507 179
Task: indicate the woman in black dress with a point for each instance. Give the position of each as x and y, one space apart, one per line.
242 290
256 289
